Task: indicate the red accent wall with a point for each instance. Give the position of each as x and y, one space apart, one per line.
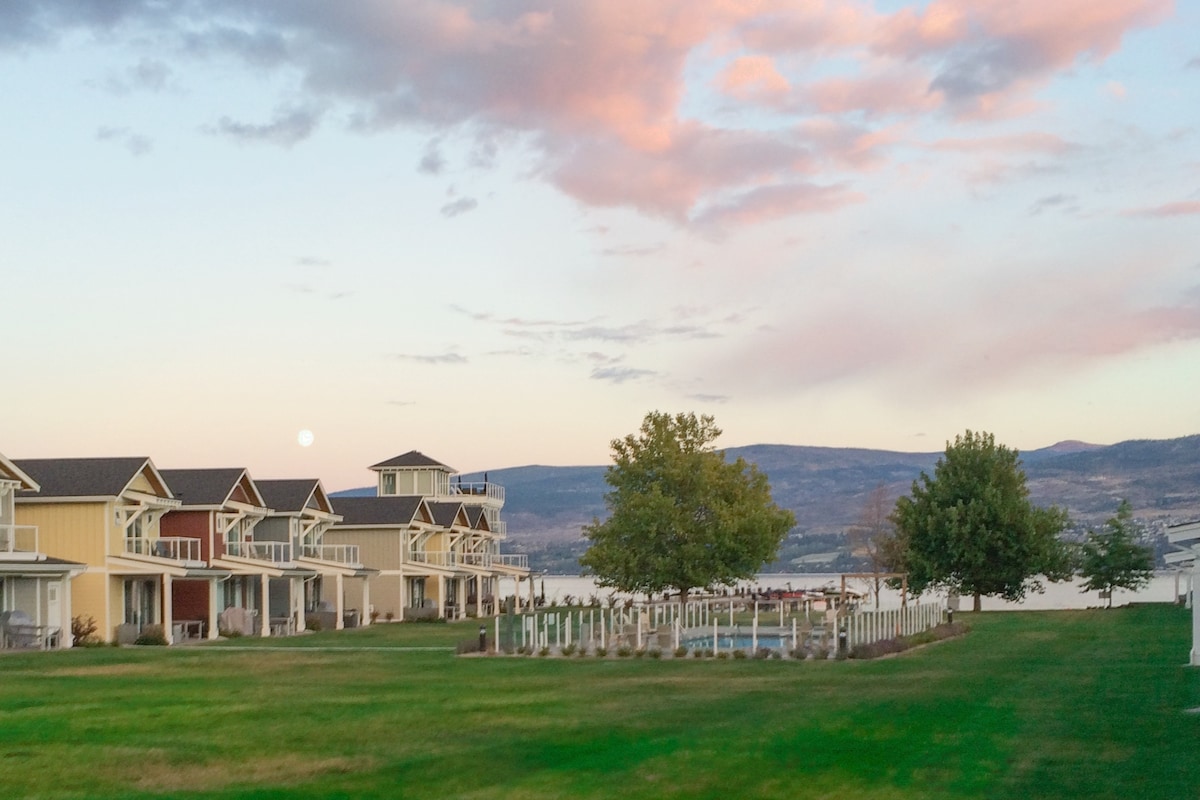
192 525
190 599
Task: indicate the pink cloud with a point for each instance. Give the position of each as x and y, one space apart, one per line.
988 55
595 90
772 202
753 78
1020 143
1179 209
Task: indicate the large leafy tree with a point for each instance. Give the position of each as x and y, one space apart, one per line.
971 529
680 515
1111 558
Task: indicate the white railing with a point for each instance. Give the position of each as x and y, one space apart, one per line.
866 627
500 528
18 539
437 558
274 552
476 559
491 491
176 548
337 553
518 560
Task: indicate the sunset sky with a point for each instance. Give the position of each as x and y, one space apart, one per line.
501 232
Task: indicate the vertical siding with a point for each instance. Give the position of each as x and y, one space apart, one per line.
377 549
74 531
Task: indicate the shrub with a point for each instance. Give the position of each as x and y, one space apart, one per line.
152 635
639 653
545 651
568 649
681 652
624 651
699 653
583 651
601 652
655 653
739 654
725 654
762 654
83 632
389 616
312 623
776 655
229 634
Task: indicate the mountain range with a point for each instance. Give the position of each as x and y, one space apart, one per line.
827 488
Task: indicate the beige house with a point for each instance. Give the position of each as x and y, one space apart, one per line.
35 588
105 513
434 539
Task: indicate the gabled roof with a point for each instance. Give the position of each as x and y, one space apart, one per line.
88 477
477 518
413 458
380 510
11 472
295 494
209 487
448 514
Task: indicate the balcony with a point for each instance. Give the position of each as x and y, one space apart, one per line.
271 552
18 542
435 558
517 560
346 554
468 492
476 559
175 548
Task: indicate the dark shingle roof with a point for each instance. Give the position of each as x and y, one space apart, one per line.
202 487
287 494
81 477
376 510
445 514
475 515
413 458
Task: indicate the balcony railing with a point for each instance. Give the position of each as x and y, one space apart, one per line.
273 552
518 560
476 559
437 558
491 491
176 548
18 539
337 553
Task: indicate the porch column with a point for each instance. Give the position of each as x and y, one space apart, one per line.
168 610
214 615
339 605
1195 660
65 639
403 592
366 599
478 596
297 600
532 597
264 614
442 594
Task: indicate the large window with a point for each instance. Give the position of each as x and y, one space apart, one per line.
388 483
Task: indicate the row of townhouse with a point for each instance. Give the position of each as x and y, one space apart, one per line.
205 551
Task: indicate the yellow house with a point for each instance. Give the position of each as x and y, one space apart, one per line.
105 513
35 589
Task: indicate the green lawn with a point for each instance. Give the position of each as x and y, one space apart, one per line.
1088 704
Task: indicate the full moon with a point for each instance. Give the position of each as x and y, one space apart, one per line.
305 437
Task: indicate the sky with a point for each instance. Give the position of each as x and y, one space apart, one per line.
502 232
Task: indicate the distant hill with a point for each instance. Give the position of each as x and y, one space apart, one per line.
826 487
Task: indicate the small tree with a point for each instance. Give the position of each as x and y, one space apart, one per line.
872 535
1112 558
680 515
971 528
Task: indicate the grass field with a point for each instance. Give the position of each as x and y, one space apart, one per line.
1088 704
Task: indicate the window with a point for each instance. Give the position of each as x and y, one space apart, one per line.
388 483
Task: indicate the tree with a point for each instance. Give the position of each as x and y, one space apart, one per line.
872 536
680 515
971 528
1112 558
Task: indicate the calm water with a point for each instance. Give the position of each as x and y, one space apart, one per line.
1162 589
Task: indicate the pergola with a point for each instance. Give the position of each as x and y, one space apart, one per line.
1186 537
